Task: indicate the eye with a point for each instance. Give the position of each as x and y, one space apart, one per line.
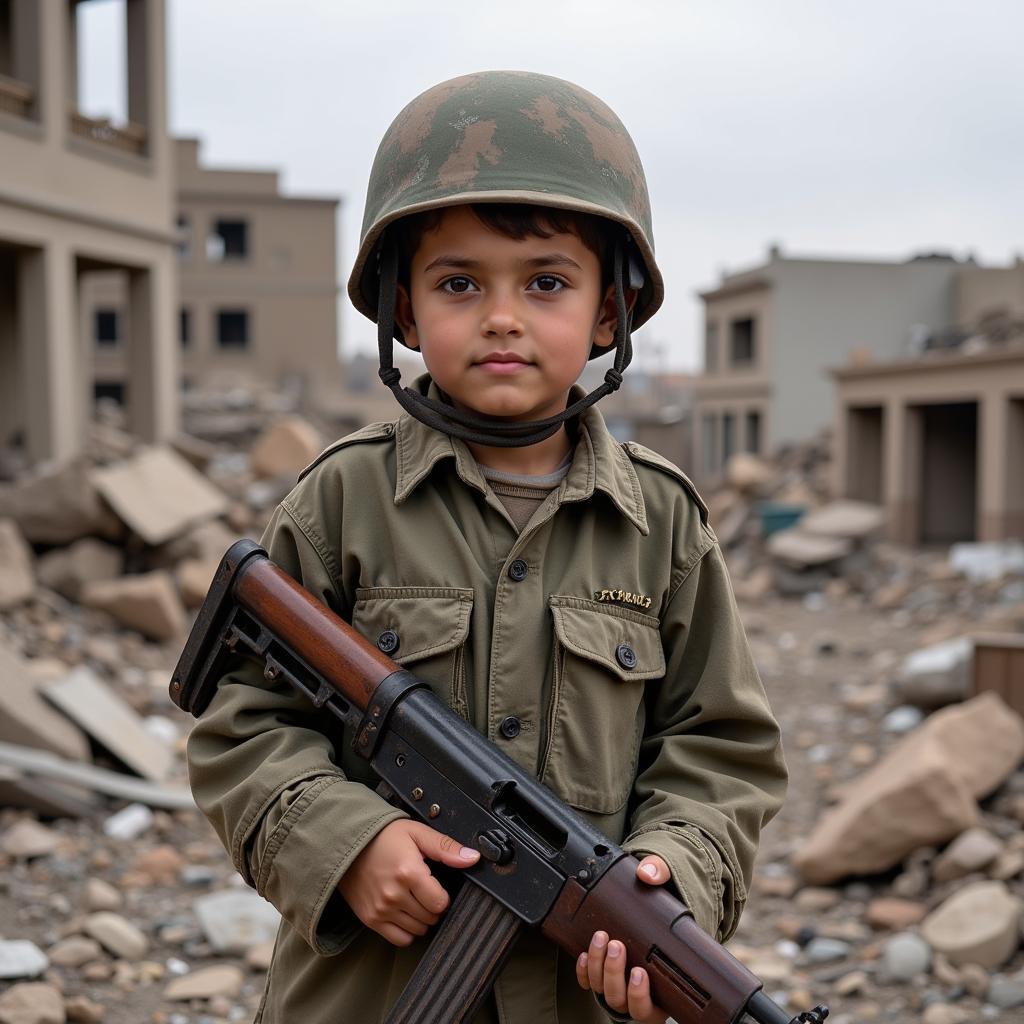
457 285
547 283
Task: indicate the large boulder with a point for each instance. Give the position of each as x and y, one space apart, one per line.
148 603
285 448
17 581
979 924
68 570
922 793
58 505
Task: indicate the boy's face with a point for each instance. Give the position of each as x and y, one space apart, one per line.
505 326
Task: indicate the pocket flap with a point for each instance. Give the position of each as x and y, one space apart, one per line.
598 631
427 620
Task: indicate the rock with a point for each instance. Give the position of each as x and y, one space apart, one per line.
890 597
748 474
82 1010
979 924
975 979
944 1013
58 505
235 919
1007 865
194 578
129 822
259 957
285 448
27 719
936 675
813 900
118 935
20 958
923 792
32 1003
148 603
894 914
852 520
970 851
1006 991
74 951
206 542
17 577
902 720
197 452
158 494
100 895
823 950
159 866
803 550
852 984
905 956
68 570
207 983
945 972
26 839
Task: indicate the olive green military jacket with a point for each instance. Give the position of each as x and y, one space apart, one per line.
671 749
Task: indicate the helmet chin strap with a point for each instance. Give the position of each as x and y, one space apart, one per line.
486 430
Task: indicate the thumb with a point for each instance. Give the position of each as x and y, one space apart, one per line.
436 845
653 870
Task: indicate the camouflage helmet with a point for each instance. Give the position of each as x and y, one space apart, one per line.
507 137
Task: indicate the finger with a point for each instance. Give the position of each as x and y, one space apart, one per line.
437 846
581 971
595 960
395 935
615 976
638 996
430 894
653 870
409 923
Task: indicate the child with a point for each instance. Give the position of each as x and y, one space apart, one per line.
560 590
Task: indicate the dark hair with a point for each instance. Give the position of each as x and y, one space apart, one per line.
516 221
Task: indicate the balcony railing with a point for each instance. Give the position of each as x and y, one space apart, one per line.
16 97
125 138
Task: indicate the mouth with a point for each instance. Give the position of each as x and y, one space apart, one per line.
502 362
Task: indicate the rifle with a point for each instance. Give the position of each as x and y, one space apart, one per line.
541 864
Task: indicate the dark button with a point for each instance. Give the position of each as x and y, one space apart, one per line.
388 641
625 656
517 570
510 727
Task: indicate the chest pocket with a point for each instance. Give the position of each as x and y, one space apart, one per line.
424 629
603 656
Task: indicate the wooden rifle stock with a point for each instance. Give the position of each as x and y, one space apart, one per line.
518 825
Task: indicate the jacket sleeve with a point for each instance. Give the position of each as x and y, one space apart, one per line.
263 769
711 772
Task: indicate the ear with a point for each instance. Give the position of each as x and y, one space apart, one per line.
404 317
608 316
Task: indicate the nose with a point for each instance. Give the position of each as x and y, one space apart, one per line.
501 317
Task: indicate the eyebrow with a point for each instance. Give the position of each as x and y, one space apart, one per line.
554 259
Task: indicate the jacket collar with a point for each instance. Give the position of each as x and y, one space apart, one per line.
599 461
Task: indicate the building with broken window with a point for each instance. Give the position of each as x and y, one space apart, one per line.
938 439
258 294
80 196
773 332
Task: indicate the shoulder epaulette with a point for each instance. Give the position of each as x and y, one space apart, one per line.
652 458
371 432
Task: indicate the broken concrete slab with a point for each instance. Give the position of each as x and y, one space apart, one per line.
235 919
85 699
194 578
27 719
804 550
854 520
42 764
987 560
59 505
17 578
158 494
148 603
68 570
224 980
285 448
937 675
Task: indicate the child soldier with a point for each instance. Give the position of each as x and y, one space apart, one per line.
560 590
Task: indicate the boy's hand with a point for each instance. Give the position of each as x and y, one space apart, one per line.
389 886
603 967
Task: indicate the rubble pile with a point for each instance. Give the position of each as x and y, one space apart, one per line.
891 885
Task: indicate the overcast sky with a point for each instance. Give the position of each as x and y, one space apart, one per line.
875 128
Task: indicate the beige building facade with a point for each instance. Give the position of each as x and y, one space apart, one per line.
80 197
939 440
773 333
258 294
